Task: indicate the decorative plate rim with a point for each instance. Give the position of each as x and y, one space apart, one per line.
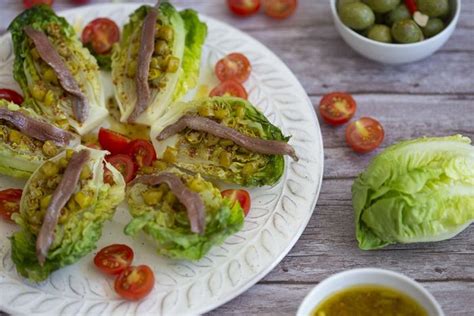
317 141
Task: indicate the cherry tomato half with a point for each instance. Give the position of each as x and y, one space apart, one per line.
101 33
142 152
241 196
234 66
29 3
114 259
124 164
279 9
243 7
9 203
112 141
337 108
11 96
135 283
364 135
229 88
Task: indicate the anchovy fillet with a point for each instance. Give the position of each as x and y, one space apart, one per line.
147 41
253 144
35 128
191 200
61 196
47 52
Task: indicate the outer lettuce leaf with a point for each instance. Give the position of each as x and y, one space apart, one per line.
170 228
20 161
190 66
255 122
78 234
415 191
86 71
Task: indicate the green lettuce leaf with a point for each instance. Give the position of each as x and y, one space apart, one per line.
31 72
415 191
167 224
247 169
195 37
76 234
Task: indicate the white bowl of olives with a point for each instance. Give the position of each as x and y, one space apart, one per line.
385 31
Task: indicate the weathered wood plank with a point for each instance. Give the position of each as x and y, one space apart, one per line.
455 298
403 117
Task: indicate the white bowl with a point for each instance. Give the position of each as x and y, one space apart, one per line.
369 276
396 53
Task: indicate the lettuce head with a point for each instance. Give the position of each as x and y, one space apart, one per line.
415 191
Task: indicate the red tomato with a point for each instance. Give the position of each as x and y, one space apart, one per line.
29 3
101 33
142 152
134 283
112 141
9 202
364 135
11 96
124 164
234 66
279 9
244 7
337 108
241 196
114 259
229 88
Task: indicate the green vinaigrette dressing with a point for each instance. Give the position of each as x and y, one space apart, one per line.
369 300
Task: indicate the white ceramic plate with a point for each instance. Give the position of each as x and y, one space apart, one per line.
278 216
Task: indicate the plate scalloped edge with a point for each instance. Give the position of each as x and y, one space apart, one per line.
278 217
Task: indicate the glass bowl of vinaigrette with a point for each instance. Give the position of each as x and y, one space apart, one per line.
369 292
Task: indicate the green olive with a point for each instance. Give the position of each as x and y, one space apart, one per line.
357 16
406 31
399 13
341 3
433 27
433 8
380 33
382 6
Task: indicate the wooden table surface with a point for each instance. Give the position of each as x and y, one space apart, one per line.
434 97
